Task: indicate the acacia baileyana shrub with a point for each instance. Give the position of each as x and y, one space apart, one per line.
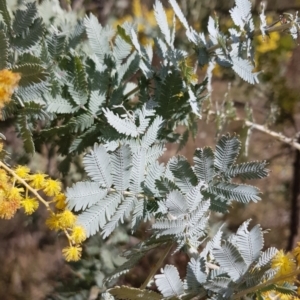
92 89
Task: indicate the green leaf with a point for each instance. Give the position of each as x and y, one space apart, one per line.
79 75
30 74
241 193
122 33
83 122
27 58
3 50
185 177
77 35
24 18
4 12
249 170
31 38
219 205
167 95
130 293
56 43
25 133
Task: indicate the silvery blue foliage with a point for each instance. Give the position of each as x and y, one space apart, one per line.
104 97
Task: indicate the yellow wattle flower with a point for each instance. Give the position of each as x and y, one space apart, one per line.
8 82
51 187
22 171
78 234
285 264
60 201
10 202
296 253
38 180
53 222
66 219
30 205
3 179
72 253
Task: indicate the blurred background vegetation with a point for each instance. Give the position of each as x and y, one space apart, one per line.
32 265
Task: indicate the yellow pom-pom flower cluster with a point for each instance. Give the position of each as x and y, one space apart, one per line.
8 82
21 190
288 268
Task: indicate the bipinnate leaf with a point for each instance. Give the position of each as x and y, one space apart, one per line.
30 74
60 105
4 12
123 211
130 293
194 196
3 50
97 165
196 273
95 217
179 14
266 257
230 259
84 194
99 37
184 175
121 167
31 38
24 129
152 132
176 204
241 14
227 150
204 164
125 126
138 170
238 192
248 170
220 285
24 18
121 49
56 44
244 69
169 282
162 21
249 243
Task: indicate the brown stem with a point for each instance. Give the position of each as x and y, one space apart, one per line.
157 265
131 92
22 181
274 134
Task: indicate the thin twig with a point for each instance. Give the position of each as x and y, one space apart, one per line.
256 33
274 134
22 181
131 92
157 266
